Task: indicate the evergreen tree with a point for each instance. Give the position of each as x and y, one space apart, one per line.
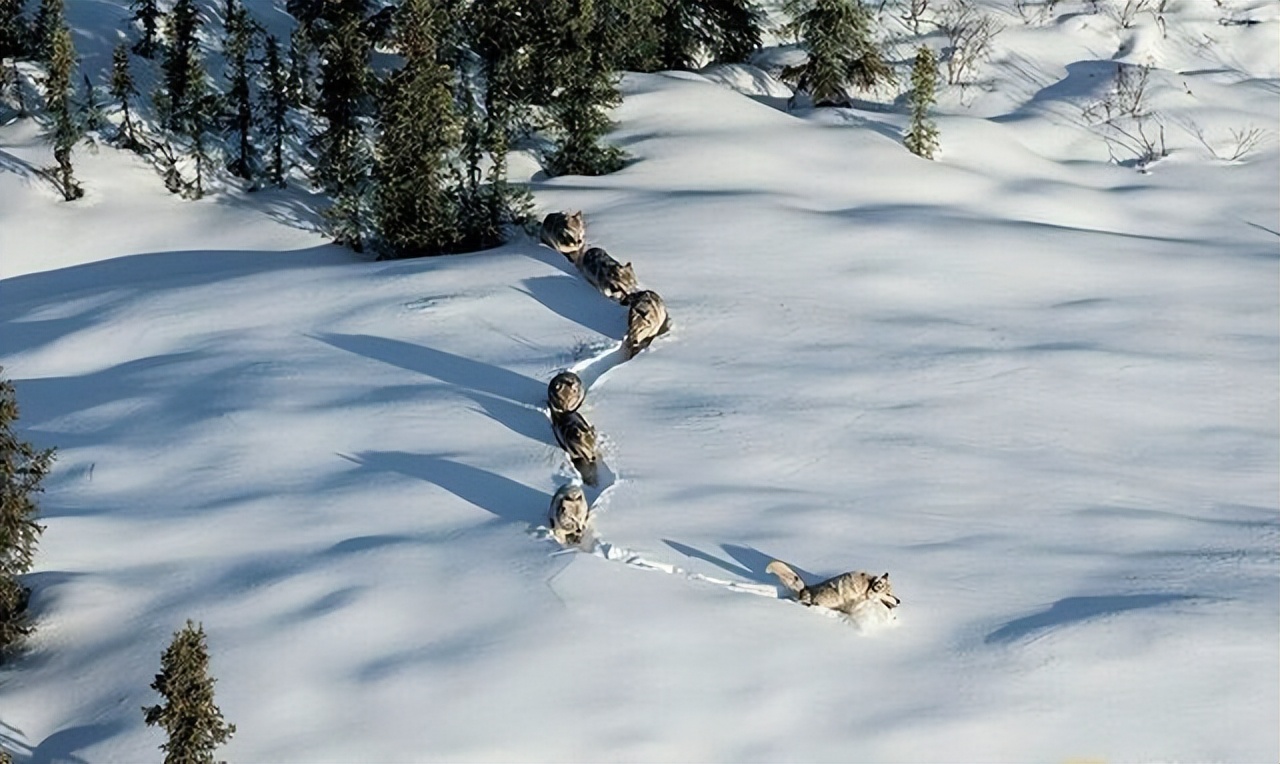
91 107
415 212
193 723
300 50
64 129
586 89
275 107
241 32
723 30
13 30
122 89
148 12
922 134
343 162
50 17
842 51
182 68
22 469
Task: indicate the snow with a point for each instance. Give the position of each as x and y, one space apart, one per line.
1037 387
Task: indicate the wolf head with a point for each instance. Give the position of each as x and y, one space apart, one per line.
879 589
565 393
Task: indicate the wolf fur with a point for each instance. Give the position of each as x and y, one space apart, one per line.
844 592
566 233
565 393
646 319
569 514
613 279
578 438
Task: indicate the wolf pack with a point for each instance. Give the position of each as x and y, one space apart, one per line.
647 319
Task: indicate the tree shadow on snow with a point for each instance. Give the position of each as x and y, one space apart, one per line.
494 493
61 746
1071 610
575 299
746 562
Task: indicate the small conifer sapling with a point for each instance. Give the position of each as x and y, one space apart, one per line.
193 723
922 134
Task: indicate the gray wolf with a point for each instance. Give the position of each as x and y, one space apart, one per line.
569 514
613 279
578 438
565 393
844 592
566 233
646 319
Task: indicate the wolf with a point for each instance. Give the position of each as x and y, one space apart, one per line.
844 592
578 438
566 233
569 514
613 279
565 393
646 319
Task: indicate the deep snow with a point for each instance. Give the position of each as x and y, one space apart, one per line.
1038 387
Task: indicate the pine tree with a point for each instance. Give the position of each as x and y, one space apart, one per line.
91 107
193 724
22 469
415 212
50 17
123 89
586 89
722 30
343 162
275 108
64 129
148 12
300 49
842 51
183 72
922 134
241 32
13 30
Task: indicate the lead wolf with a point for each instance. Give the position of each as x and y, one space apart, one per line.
646 319
612 278
569 515
844 592
566 233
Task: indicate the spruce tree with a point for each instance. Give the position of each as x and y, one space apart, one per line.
13 30
182 69
415 212
50 17
22 469
586 90
193 724
922 134
842 50
123 89
64 128
343 162
238 44
300 51
275 108
148 13
91 106
721 30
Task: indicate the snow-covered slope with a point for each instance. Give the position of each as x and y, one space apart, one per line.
1037 387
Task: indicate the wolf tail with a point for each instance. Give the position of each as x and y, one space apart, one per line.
785 574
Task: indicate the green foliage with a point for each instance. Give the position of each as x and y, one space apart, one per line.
186 103
343 162
148 13
238 46
722 30
22 469
299 80
415 211
50 17
842 50
64 129
275 107
586 90
13 29
123 89
91 106
922 134
194 725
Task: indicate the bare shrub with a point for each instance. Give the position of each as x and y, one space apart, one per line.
1241 141
1126 120
970 34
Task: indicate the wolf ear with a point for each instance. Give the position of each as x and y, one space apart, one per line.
885 576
